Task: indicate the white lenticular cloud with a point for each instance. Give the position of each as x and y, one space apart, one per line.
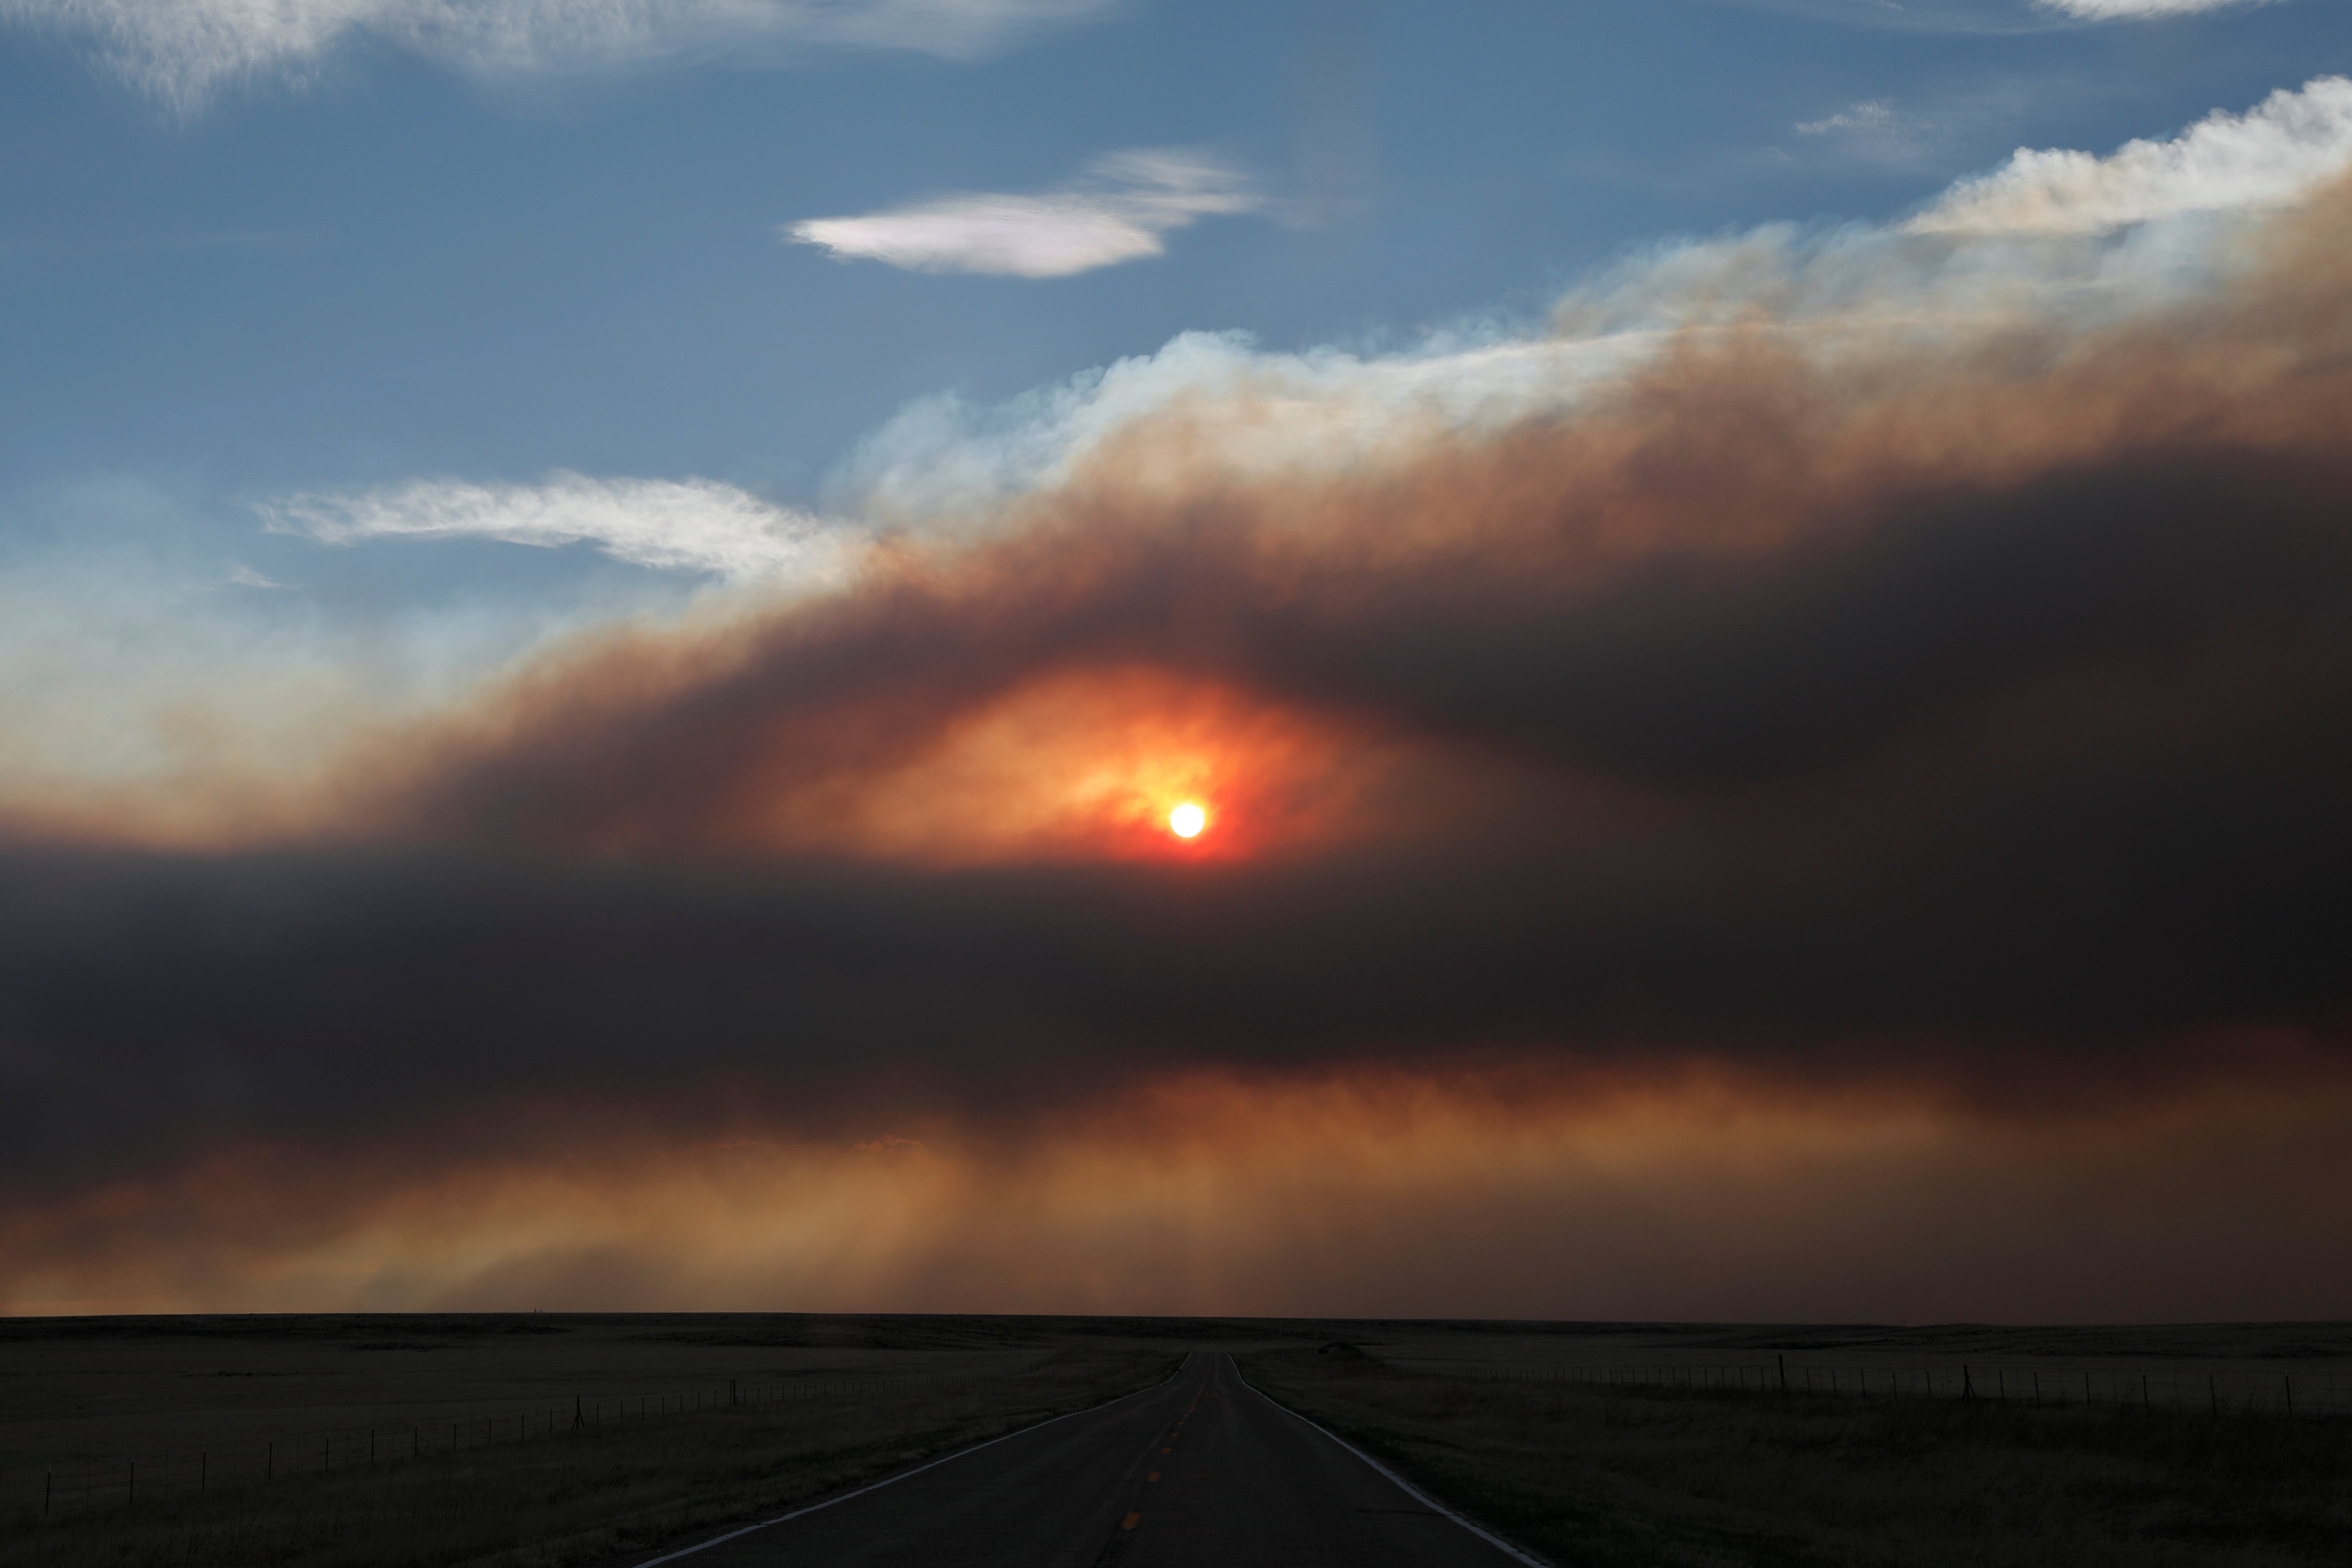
689 525
2290 142
182 50
1117 213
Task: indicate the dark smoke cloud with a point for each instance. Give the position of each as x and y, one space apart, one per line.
1973 717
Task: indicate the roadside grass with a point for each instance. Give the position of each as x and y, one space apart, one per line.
1607 1477
613 1494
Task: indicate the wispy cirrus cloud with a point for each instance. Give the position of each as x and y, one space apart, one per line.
1873 116
1875 129
1116 212
2290 142
182 51
1992 16
2138 10
688 525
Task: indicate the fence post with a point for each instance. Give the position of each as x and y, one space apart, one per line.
2213 1392
48 1489
2288 1383
132 1495
269 1463
731 1391
1783 1362
578 1420
204 1470
1967 1385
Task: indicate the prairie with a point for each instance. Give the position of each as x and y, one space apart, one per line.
510 1440
595 1441
1608 1444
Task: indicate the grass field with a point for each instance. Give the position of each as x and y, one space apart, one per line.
547 1441
822 1403
1657 1469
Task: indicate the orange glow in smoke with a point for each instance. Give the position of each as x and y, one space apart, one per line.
1118 764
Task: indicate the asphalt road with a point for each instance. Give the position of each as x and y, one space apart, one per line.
1200 1472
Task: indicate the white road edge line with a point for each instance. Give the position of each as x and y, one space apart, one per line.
919 1470
1516 1554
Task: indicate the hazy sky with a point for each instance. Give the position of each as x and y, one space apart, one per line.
603 603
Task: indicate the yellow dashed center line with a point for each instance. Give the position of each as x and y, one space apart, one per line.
1133 1520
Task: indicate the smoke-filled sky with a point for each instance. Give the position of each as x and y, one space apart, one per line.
602 609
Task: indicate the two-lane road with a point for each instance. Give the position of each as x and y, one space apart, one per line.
1200 1472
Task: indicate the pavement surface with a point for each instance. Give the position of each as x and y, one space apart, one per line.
1200 1472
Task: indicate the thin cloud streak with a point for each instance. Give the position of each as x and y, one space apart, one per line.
181 52
1873 116
1994 16
1117 213
2141 10
692 525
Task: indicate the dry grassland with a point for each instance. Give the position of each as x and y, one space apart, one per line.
1481 1413
1645 1474
856 1399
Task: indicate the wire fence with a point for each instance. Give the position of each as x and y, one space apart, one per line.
128 1480
2213 1392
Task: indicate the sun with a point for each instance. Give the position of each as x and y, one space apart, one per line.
1187 820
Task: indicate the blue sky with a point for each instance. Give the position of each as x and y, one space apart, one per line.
377 256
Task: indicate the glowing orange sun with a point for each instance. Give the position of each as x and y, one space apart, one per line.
1187 820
